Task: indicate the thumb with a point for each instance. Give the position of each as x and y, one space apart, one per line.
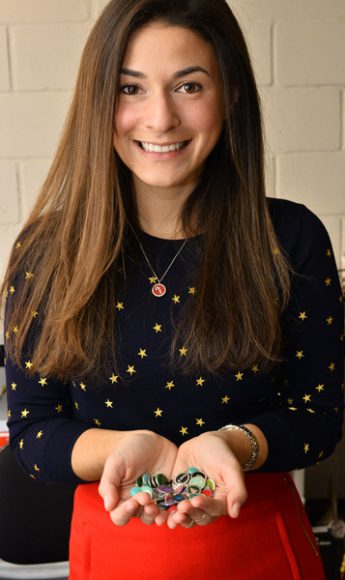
237 493
108 489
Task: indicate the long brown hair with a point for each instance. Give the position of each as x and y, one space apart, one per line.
62 274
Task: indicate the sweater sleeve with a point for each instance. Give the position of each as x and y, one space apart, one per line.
304 422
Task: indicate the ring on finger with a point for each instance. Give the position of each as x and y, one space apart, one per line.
204 515
191 524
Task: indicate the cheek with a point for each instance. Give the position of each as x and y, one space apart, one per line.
125 121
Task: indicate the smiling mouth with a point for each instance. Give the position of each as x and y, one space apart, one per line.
168 148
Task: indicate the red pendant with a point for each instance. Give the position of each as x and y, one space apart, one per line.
158 290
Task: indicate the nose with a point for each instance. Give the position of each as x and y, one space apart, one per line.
160 113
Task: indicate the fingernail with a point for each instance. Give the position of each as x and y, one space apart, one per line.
107 502
235 510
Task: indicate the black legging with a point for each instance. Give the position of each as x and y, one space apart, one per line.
34 517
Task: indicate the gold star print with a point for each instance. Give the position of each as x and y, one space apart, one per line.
225 400
108 404
59 408
321 454
76 404
176 299
9 413
12 289
184 431
200 381
7 334
120 306
200 422
153 279
113 378
307 398
290 401
18 245
131 370
329 253
170 385
255 369
28 275
239 376
97 422
299 354
157 327
43 382
183 351
34 313
39 435
15 330
192 290
36 468
158 412
293 408
311 411
330 320
303 316
24 413
13 386
28 364
32 476
320 388
142 353
328 281
21 444
306 447
332 367
82 386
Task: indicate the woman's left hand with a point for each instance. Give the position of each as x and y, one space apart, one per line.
211 453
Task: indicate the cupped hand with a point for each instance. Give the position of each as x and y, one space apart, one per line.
138 452
210 453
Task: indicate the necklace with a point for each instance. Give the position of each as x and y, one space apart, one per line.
158 289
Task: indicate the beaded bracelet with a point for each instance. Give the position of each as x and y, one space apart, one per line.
254 444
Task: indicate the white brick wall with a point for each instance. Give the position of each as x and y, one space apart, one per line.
298 52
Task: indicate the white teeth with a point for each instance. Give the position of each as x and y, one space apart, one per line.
151 148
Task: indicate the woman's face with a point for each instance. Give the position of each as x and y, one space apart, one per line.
171 111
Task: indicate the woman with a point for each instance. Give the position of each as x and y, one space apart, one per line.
164 314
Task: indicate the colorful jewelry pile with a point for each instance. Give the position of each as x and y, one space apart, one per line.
166 494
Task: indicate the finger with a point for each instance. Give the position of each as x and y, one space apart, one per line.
237 493
108 490
126 510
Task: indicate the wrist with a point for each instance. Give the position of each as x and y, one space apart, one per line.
248 443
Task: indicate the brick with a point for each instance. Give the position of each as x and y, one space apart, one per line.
9 208
4 61
258 36
8 234
32 176
30 123
333 226
262 9
24 11
46 57
317 180
302 119
310 52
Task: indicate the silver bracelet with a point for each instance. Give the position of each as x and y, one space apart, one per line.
254 444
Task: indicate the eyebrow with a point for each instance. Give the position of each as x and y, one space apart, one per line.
181 73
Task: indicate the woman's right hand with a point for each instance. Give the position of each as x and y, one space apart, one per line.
138 452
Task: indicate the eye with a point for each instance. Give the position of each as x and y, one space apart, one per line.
190 88
129 89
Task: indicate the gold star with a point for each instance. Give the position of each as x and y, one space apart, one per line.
108 404
7 334
320 388
332 367
158 412
24 413
290 401
76 404
303 315
239 376
36 468
13 386
299 354
311 411
21 444
32 476
200 381
192 290
153 279
170 385
328 281
28 275
43 382
321 454
9 413
200 422
142 353
97 422
82 386
28 364
59 408
225 400
120 306
18 245
12 289
183 351
184 431
176 299
113 378
131 370
15 330
255 369
307 398
329 253
39 435
306 447
157 327
293 408
34 313
330 320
